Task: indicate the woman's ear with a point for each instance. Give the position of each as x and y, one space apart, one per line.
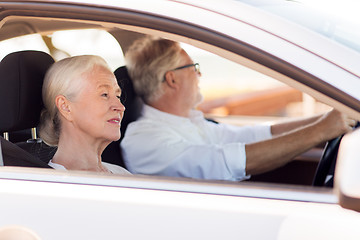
170 79
63 105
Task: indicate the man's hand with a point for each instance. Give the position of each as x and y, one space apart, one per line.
334 124
270 154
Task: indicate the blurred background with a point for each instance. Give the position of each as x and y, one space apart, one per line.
229 89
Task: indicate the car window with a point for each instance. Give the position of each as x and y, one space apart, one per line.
226 86
27 42
232 93
230 89
67 43
90 41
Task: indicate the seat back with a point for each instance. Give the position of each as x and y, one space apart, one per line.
21 78
133 105
13 155
132 102
22 75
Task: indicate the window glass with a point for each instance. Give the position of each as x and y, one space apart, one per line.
62 44
28 42
89 41
231 89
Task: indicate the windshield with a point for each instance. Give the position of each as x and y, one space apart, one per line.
337 20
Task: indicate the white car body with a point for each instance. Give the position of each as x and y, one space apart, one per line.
77 205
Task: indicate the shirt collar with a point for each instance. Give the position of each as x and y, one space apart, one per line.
154 113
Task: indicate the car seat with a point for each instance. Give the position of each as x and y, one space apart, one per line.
21 78
133 105
13 155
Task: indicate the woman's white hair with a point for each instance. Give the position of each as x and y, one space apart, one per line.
63 78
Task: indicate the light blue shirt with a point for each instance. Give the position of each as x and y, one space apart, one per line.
164 144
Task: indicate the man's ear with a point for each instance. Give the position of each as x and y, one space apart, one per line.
63 105
170 79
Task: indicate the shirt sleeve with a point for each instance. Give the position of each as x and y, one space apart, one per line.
245 134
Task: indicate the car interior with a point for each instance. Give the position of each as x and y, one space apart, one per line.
21 85
25 71
22 74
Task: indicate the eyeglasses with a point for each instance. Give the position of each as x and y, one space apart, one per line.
195 65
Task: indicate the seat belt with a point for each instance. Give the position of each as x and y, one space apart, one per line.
1 156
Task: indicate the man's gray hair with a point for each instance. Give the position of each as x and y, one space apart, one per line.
147 60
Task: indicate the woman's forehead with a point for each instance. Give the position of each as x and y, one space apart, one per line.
101 76
96 81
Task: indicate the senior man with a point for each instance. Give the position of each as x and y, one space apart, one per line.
171 138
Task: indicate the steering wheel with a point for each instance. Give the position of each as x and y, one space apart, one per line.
324 175
327 160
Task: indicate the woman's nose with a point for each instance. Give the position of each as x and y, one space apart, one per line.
118 106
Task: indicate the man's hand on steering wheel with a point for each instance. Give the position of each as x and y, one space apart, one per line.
324 174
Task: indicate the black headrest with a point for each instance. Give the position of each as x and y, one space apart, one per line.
21 77
132 102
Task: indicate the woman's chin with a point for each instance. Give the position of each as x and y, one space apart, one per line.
115 137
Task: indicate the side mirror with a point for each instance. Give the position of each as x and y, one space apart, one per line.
347 173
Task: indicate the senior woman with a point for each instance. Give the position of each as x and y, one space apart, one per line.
82 113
